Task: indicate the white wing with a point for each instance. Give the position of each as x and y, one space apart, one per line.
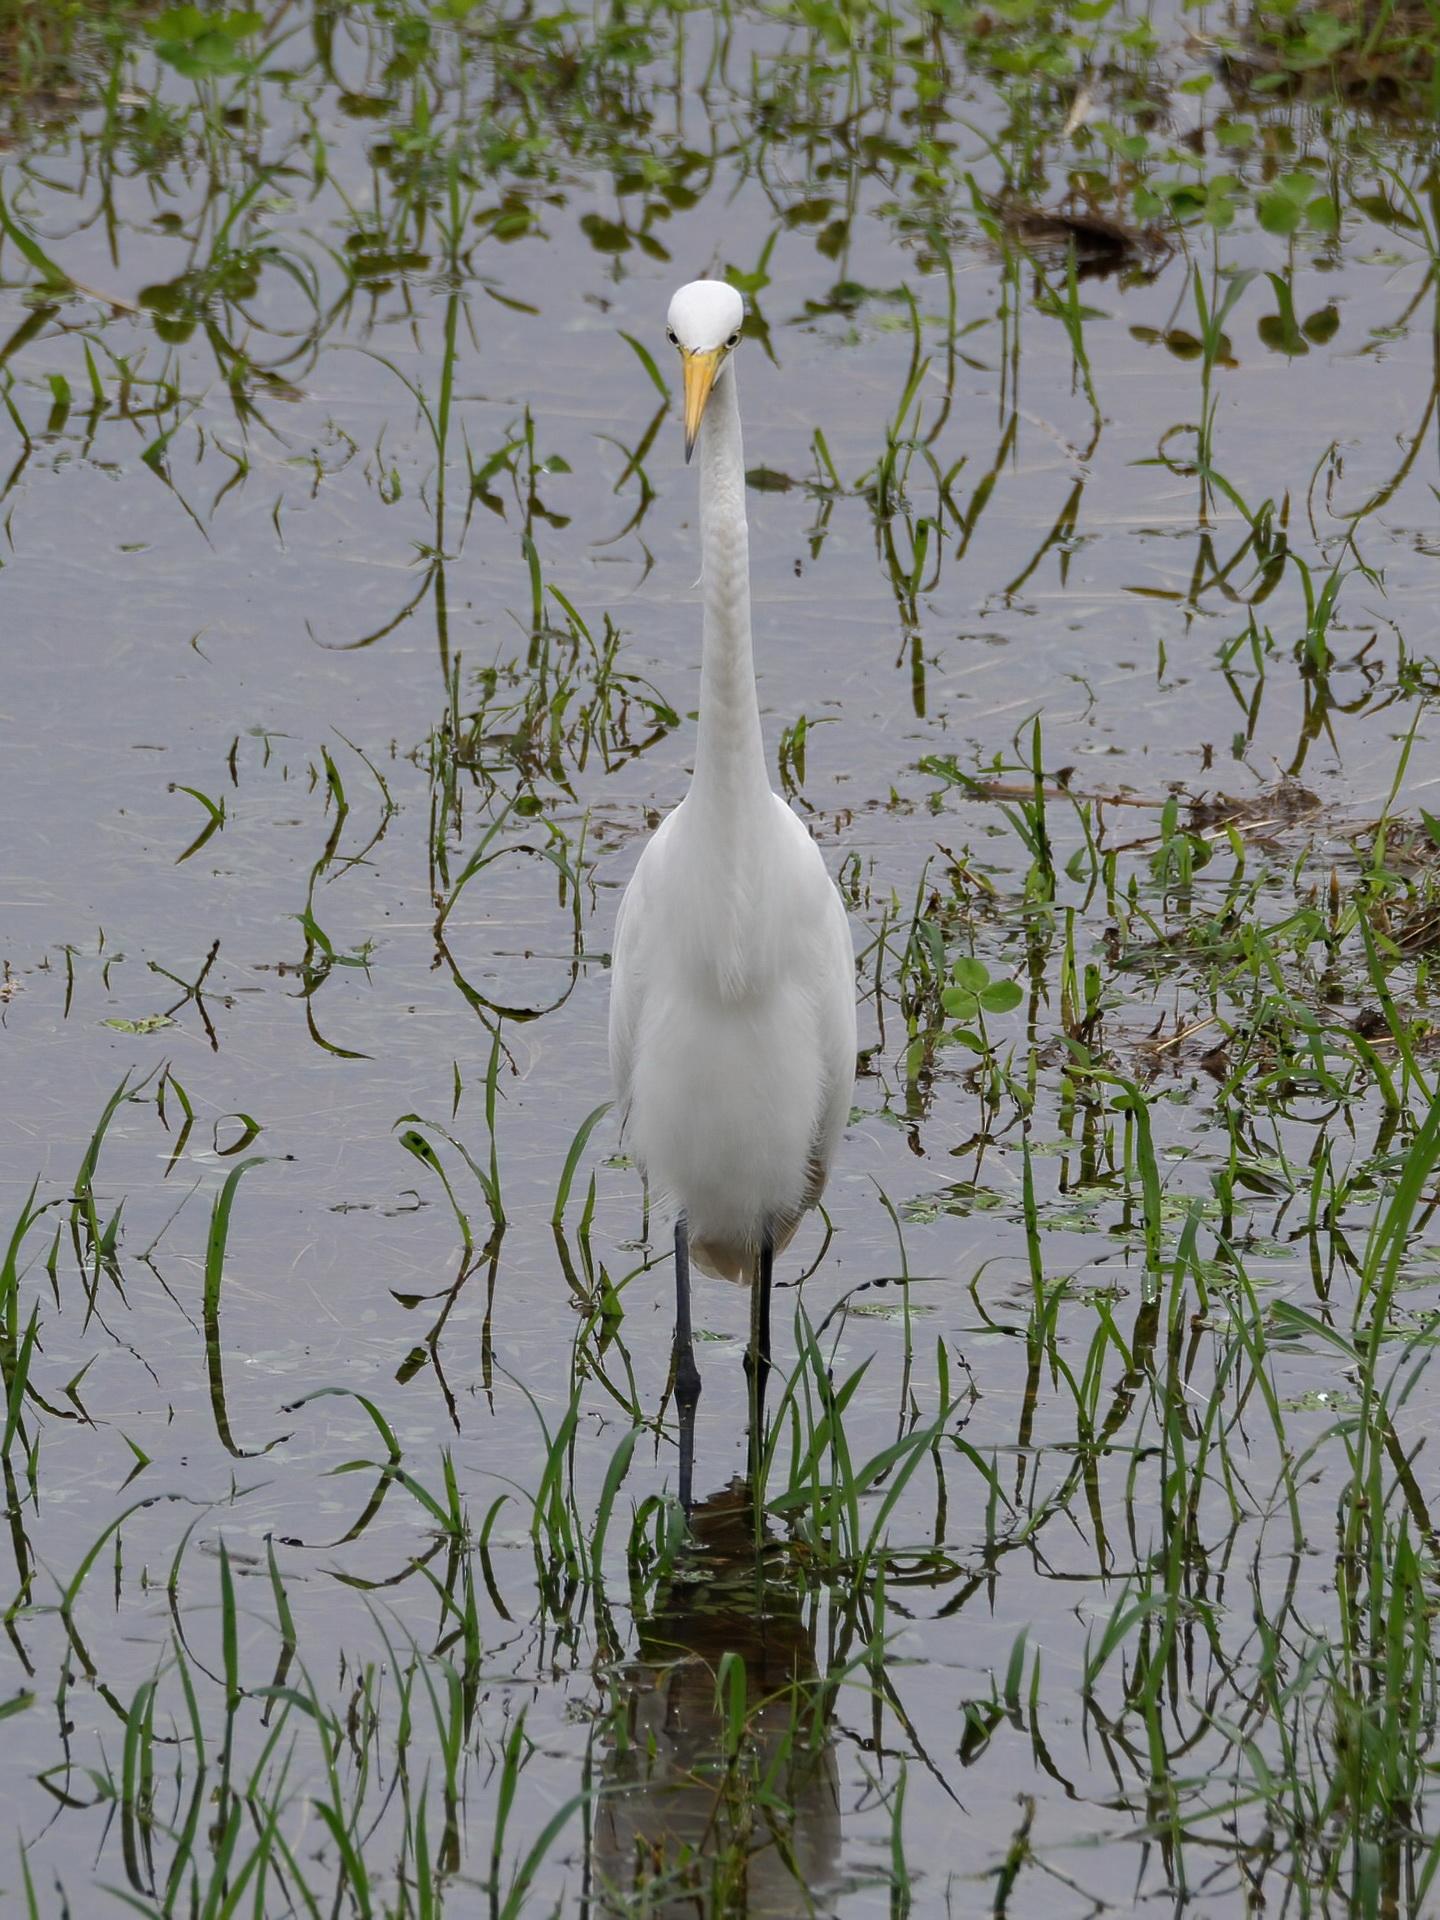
836 1005
834 993
627 966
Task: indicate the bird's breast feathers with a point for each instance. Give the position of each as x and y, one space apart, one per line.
736 917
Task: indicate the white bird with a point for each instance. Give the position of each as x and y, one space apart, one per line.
732 1002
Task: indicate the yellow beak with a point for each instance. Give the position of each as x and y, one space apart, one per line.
699 371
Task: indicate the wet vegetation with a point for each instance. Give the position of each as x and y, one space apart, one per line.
1089 1559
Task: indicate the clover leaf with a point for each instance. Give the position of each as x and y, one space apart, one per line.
973 992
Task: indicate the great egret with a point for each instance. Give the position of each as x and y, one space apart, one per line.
732 1002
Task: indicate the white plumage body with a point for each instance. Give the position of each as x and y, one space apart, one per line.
732 1016
732 1027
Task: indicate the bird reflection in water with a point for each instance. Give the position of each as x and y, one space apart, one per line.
716 1803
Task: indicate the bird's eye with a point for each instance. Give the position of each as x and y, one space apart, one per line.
734 339
670 335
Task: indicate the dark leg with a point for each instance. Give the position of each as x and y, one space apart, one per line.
757 1358
687 1374
767 1264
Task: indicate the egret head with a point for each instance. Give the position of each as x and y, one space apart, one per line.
704 322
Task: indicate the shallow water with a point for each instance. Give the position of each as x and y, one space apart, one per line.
254 608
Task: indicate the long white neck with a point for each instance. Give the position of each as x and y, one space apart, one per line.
730 774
